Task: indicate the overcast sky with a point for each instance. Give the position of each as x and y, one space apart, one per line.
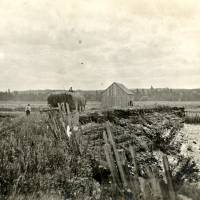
88 44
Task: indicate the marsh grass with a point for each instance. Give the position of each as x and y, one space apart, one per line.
192 118
33 160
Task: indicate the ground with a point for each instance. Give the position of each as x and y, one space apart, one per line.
20 105
191 145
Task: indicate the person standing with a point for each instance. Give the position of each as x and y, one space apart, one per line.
71 90
28 110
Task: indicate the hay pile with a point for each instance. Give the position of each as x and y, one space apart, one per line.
75 100
55 98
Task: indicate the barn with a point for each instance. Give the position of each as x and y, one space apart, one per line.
117 96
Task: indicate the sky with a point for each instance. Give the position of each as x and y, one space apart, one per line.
88 44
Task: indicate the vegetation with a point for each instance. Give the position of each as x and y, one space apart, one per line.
166 94
41 95
152 94
36 160
192 118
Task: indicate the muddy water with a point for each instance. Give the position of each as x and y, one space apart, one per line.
191 145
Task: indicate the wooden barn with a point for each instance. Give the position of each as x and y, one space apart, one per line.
117 96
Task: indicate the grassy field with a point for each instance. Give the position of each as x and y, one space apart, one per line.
17 107
20 105
13 106
188 105
36 105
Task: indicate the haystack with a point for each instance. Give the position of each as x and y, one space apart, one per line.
55 98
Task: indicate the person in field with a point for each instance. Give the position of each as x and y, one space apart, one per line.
71 90
28 110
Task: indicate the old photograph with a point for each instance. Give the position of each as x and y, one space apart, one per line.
99 100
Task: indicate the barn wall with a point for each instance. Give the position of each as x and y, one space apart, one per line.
114 96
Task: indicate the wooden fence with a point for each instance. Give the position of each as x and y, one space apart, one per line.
125 184
129 186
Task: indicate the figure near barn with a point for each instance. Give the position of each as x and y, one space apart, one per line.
28 110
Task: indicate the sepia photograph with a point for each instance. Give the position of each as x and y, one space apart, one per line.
99 100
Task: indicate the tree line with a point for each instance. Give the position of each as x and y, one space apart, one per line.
152 94
166 94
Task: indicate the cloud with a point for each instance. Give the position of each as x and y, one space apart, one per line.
90 43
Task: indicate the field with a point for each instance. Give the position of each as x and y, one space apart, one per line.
19 106
37 157
192 116
13 106
188 105
6 106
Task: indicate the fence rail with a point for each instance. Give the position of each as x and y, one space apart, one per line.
133 187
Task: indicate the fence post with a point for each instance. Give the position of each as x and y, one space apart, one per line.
172 194
121 171
155 185
110 159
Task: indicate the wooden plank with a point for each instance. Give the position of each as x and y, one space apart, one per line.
110 163
56 129
155 185
136 183
68 115
110 158
105 137
133 155
172 194
63 119
147 191
119 165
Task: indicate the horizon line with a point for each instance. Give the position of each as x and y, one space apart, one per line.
24 90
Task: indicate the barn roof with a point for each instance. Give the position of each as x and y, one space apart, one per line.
123 87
